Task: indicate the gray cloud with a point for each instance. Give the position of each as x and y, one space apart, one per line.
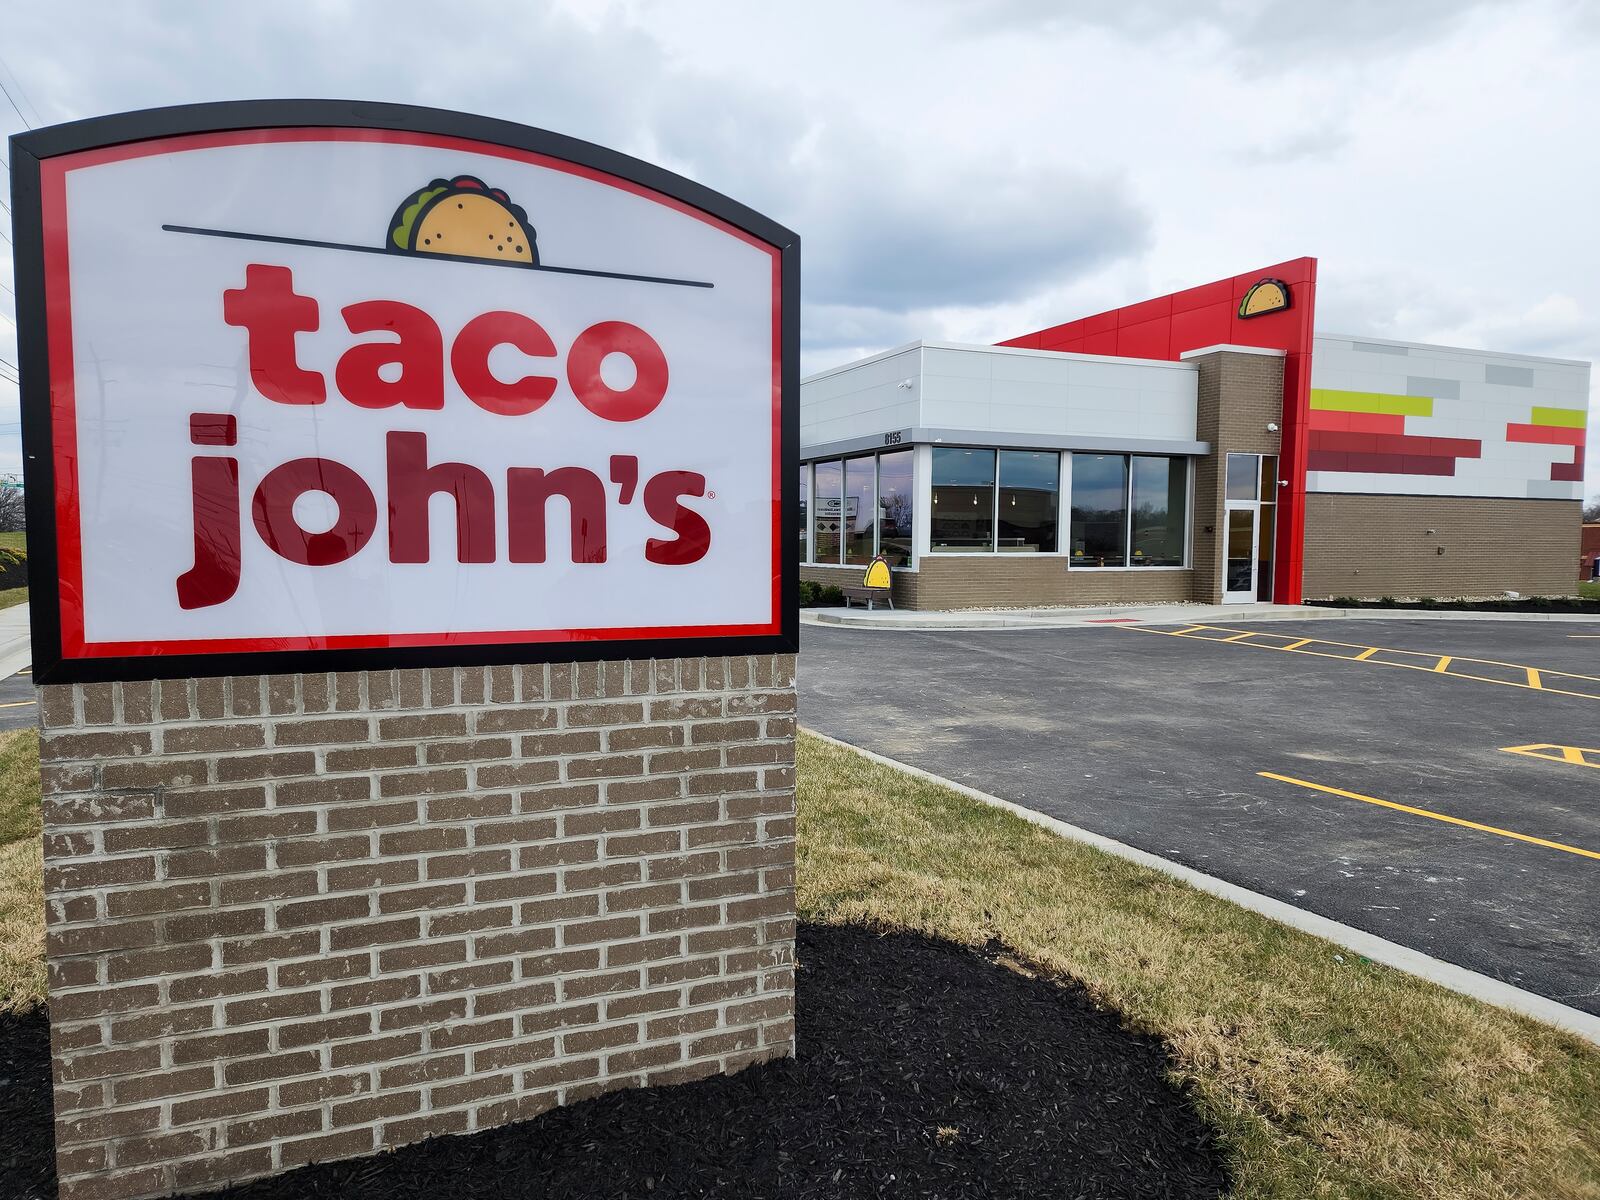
1263 34
883 227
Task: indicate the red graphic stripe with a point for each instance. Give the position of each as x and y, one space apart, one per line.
1401 444
1354 422
1571 472
1381 464
1549 435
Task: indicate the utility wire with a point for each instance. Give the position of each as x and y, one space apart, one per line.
3 88
21 91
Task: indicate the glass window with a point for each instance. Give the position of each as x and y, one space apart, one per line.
1268 527
1242 471
1030 485
894 507
828 490
1099 510
1269 478
963 499
860 509
805 519
1160 506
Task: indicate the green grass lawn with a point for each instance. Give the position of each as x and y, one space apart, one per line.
13 541
1328 1076
1589 590
11 596
21 873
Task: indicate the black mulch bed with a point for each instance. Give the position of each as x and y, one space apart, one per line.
925 1070
27 1149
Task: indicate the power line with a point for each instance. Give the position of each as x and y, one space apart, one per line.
3 88
21 91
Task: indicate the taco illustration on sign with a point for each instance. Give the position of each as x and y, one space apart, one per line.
1269 295
464 218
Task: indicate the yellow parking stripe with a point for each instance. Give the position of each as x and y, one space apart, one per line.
1578 756
16 704
1431 815
1537 679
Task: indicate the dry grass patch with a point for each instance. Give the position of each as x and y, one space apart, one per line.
21 873
1328 1076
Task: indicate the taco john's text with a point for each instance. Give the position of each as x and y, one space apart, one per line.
271 313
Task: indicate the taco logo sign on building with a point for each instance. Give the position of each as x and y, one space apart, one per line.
313 389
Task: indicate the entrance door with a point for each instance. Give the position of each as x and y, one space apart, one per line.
1250 522
1239 558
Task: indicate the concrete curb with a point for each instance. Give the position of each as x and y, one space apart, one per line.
1163 616
16 644
1381 950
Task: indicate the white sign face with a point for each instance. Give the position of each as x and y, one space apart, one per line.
327 388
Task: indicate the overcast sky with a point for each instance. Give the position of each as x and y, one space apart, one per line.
972 171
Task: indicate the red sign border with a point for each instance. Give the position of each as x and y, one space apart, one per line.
59 626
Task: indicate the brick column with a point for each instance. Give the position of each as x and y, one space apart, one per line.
299 918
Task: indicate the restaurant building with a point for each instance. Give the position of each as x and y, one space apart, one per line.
1207 446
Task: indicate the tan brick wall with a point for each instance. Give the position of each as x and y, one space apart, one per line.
1238 396
1015 581
1032 581
1374 546
902 584
293 919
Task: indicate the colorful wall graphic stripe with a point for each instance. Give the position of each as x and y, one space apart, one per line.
1555 427
1365 432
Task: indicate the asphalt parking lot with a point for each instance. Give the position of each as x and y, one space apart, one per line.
1392 802
17 704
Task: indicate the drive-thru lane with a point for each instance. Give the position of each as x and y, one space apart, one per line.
1390 799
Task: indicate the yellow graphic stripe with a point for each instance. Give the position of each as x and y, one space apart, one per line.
1333 400
1565 418
1433 816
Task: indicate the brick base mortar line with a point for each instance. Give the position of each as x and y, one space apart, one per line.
298 918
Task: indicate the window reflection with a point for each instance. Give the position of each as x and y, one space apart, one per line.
860 510
805 518
826 509
895 510
1099 510
1160 503
1030 485
963 499
1242 476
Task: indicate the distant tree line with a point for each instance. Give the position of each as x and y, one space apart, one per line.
12 517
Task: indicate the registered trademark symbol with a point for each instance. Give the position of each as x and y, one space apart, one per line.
711 495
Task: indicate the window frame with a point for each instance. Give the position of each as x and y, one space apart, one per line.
877 492
1127 503
807 510
807 469
994 509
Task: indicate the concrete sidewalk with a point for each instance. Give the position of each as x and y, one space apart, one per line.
1149 614
16 646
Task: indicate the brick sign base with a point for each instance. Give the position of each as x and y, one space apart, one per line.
300 918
